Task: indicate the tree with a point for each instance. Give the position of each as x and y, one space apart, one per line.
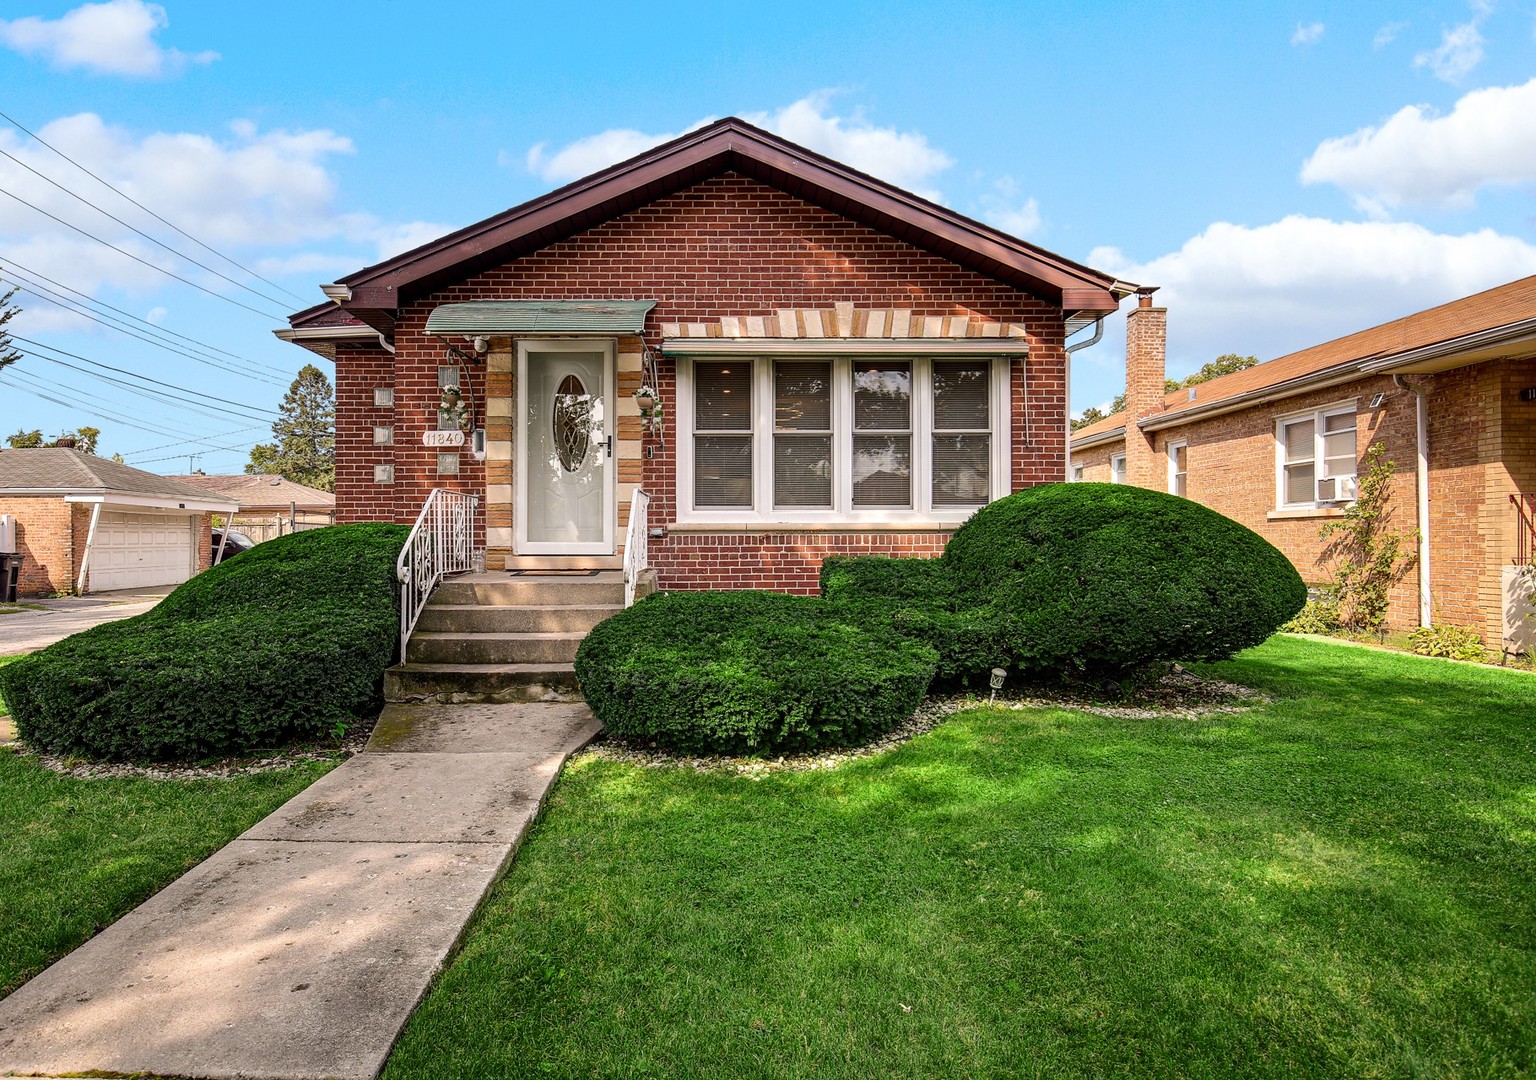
1225 364
25 440
305 450
85 438
8 311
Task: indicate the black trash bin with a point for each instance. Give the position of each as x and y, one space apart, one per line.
10 574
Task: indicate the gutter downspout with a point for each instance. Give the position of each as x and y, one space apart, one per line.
1094 339
1422 484
90 544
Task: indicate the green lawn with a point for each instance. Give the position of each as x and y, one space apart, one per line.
1340 883
78 854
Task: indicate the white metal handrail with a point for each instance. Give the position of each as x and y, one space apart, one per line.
637 556
441 542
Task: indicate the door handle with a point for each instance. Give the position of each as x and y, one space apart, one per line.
610 446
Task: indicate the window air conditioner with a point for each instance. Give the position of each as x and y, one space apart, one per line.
1336 489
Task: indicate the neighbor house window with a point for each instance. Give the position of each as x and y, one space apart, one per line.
1178 467
1117 468
1315 457
815 439
1077 474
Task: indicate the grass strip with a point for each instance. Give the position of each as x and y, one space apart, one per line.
79 854
1336 883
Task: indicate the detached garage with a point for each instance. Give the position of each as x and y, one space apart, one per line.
87 524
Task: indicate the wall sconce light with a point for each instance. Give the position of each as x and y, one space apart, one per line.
998 675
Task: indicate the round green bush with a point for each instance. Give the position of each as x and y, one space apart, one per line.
917 599
1100 580
277 644
748 672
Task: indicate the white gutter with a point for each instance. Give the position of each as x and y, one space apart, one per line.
1421 416
1509 332
90 543
163 502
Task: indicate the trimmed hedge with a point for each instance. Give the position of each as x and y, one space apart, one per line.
1100 580
748 672
917 599
270 646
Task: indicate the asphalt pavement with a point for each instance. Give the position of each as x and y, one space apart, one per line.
42 622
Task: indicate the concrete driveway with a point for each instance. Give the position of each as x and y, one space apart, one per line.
28 630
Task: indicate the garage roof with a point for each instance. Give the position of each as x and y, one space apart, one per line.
57 470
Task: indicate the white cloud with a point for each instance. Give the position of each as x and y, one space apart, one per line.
394 239
904 158
1488 139
1460 49
1308 34
593 152
1003 207
1387 34
1300 281
251 193
111 38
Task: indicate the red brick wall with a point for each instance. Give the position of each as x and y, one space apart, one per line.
45 537
727 246
1482 449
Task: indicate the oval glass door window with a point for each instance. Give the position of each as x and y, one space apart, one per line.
571 422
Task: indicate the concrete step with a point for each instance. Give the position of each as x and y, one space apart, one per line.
453 683
473 648
518 590
504 619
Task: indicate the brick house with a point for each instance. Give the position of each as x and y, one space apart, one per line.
842 367
87 524
1450 391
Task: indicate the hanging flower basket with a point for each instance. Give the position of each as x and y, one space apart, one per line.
451 408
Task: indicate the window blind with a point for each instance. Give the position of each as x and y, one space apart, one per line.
802 441
882 440
962 445
722 464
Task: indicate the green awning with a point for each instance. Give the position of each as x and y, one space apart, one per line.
491 317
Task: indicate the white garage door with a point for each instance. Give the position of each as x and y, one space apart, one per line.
135 551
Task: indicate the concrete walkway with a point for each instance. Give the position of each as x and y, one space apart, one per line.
28 630
301 948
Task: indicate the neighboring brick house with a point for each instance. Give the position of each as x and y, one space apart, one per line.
1277 447
844 367
87 524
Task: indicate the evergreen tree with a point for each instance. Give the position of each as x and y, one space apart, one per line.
305 450
8 311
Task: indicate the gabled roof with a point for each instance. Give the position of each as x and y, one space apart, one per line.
58 470
375 293
261 490
1484 326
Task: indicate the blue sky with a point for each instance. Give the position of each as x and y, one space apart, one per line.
1287 172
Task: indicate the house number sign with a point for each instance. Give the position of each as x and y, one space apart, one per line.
442 438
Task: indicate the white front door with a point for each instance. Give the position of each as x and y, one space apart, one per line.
564 468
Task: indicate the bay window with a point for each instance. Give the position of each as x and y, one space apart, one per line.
840 438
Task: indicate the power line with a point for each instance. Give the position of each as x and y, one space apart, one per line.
142 378
145 262
156 397
12 264
141 232
147 210
95 412
75 307
200 453
183 442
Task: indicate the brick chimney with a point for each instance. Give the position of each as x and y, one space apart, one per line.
1146 342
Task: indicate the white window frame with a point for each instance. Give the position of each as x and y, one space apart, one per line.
1173 471
1075 474
1117 468
842 510
1317 416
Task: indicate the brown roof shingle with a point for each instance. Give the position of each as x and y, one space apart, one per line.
261 489
68 471
1500 306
